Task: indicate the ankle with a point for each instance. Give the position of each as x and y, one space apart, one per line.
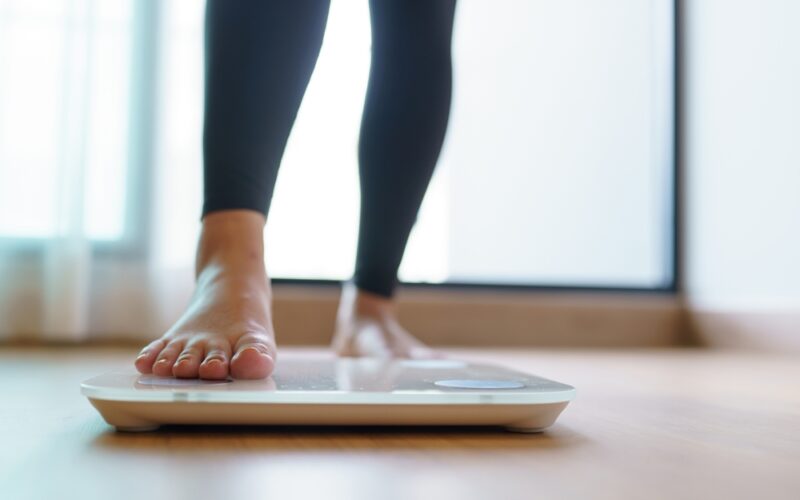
367 304
231 239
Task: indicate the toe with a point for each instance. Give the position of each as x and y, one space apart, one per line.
251 362
254 358
188 363
147 356
215 364
166 359
407 346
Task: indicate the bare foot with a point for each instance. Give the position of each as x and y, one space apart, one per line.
229 314
367 326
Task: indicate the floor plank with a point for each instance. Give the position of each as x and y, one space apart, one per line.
646 424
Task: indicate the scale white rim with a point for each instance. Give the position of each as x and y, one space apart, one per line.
404 397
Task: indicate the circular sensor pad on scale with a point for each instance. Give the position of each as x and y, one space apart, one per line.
479 384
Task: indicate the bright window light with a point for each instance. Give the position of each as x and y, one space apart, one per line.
64 107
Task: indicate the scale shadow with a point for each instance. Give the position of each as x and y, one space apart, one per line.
320 438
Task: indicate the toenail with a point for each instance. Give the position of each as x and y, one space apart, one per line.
213 360
161 361
252 348
141 356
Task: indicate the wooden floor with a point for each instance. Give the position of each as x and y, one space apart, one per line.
645 424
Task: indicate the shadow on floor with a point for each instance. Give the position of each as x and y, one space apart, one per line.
320 438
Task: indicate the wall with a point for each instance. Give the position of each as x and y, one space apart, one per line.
742 170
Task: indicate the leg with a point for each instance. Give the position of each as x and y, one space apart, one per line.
259 59
403 127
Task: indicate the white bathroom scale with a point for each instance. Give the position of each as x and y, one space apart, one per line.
336 391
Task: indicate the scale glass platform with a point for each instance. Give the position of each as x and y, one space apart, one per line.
336 391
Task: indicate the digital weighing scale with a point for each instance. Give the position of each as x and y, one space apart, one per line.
336 391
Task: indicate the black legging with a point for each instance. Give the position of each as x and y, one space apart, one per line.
259 58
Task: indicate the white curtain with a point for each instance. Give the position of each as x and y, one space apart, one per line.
80 256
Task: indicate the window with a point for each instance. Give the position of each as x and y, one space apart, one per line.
557 169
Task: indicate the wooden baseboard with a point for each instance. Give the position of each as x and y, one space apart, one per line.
773 331
305 316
